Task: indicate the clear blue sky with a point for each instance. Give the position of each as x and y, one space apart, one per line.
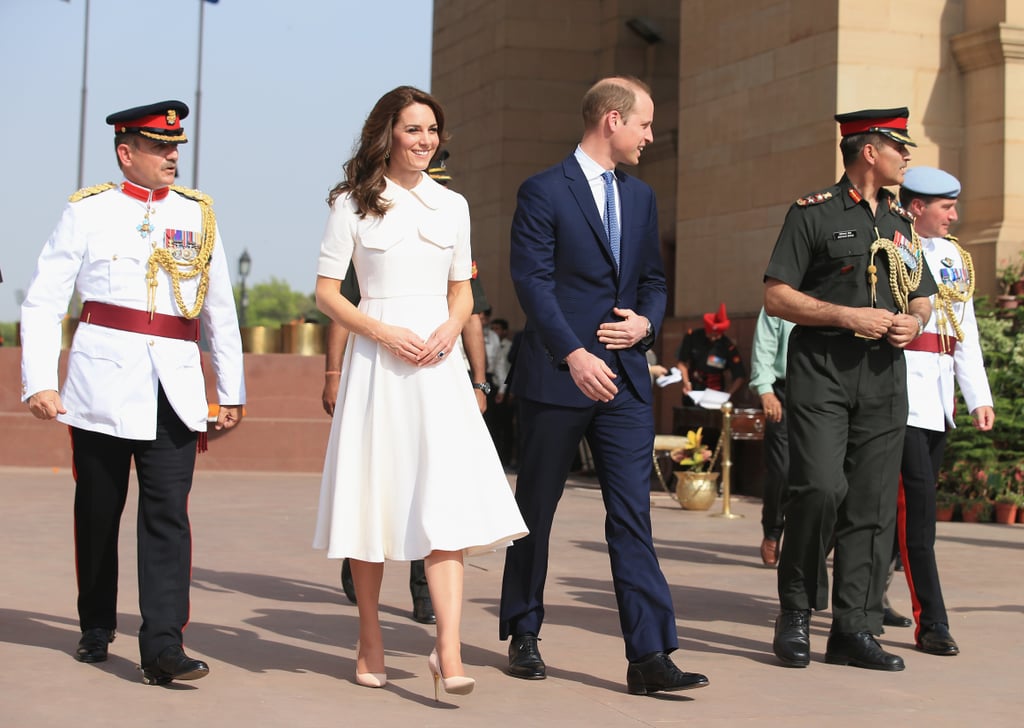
286 86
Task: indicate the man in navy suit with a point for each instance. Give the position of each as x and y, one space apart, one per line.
587 270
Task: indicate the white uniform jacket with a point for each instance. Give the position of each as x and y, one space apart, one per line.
111 385
929 375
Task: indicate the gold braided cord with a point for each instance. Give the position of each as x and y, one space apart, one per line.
90 191
179 271
949 294
901 280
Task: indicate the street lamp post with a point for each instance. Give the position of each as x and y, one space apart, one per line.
244 265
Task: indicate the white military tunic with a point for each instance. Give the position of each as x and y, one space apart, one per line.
112 375
930 376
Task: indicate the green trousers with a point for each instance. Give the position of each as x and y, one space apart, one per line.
847 411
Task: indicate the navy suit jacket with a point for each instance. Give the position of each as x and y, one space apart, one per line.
565 278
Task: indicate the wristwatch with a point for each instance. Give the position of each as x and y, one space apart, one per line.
484 387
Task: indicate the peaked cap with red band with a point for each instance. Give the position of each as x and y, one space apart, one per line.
160 121
716 323
890 122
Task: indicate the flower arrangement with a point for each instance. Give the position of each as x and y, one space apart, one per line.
694 455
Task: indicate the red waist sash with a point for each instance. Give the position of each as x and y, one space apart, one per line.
140 322
932 343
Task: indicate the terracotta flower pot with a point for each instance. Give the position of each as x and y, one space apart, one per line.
696 491
974 512
1005 512
944 511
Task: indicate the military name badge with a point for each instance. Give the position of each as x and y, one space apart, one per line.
183 244
903 245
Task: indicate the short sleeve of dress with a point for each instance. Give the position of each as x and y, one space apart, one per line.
338 240
462 262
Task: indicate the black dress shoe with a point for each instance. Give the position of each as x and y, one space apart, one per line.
891 618
524 658
93 645
423 611
173 664
860 649
657 672
792 643
347 584
936 640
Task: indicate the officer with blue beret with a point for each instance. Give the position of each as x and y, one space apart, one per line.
948 350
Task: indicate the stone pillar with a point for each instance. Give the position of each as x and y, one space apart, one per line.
990 54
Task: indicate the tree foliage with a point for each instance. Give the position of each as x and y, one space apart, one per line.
990 458
274 303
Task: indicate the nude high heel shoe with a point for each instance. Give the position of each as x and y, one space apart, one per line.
370 679
452 685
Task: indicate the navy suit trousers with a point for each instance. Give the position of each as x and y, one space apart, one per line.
621 436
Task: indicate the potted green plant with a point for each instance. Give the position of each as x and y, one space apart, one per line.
976 510
1011 277
1005 508
945 505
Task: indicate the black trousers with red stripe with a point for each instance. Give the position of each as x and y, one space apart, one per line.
922 456
164 467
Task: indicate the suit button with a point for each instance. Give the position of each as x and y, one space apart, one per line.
151 342
114 257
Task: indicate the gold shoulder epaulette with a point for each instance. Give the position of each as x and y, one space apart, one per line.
193 194
815 199
90 191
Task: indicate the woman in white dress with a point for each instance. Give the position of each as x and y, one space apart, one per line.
410 470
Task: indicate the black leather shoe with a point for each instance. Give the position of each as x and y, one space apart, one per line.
524 658
860 649
936 640
657 672
346 581
173 664
891 618
792 643
93 645
423 611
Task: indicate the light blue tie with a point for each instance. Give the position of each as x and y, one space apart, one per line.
611 217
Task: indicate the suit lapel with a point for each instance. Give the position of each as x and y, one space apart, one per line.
580 189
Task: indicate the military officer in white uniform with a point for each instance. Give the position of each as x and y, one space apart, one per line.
146 259
948 348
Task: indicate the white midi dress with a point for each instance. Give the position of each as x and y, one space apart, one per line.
410 466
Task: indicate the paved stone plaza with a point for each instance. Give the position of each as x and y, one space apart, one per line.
270 618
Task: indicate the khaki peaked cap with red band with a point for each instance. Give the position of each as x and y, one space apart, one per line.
890 122
160 121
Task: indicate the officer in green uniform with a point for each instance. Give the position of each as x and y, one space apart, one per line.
848 270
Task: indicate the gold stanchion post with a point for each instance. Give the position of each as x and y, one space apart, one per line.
726 462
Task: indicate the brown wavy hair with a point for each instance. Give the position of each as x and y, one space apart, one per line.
364 173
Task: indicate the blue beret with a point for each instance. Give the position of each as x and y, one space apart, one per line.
931 182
